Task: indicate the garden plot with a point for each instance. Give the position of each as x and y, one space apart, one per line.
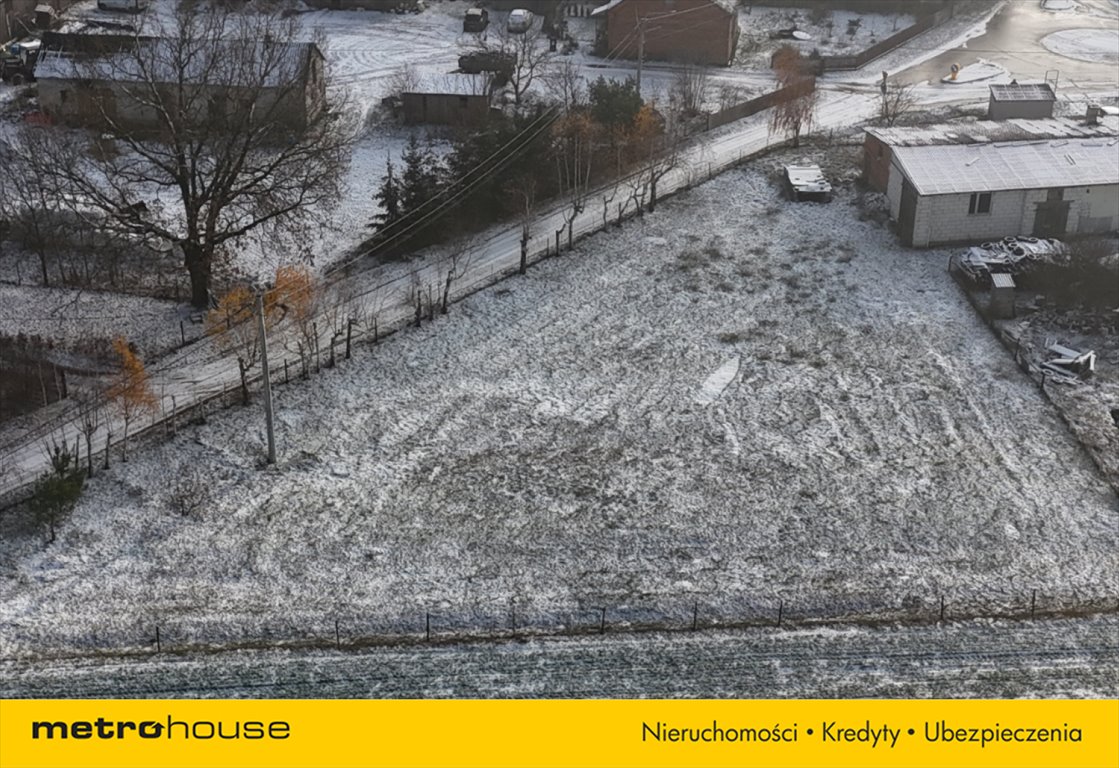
832 33
735 402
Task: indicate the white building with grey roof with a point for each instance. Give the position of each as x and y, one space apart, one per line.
971 193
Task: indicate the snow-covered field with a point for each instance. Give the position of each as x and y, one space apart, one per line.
734 402
977 659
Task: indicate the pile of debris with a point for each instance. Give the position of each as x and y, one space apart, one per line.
1011 256
1070 366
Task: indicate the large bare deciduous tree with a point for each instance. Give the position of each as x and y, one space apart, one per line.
223 116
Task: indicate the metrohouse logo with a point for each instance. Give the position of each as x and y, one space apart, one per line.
104 729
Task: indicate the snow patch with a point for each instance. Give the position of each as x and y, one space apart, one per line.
717 382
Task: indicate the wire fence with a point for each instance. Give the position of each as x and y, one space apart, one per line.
501 620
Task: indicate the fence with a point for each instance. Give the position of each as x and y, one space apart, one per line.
347 629
747 108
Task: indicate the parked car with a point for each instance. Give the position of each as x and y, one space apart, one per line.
476 20
131 6
520 20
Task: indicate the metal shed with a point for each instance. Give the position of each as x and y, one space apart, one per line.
1028 100
1002 295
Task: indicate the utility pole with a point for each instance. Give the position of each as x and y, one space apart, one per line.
267 377
640 52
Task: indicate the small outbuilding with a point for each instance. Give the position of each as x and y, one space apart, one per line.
1001 305
454 99
1032 101
953 194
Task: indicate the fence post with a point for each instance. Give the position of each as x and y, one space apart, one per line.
695 614
1033 605
285 370
780 612
349 334
427 628
182 332
158 644
337 635
602 622
942 607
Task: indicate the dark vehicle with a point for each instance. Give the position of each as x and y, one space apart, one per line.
17 62
476 20
501 64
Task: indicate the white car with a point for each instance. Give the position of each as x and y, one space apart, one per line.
520 20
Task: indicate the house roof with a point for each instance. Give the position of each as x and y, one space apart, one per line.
986 131
730 6
1023 92
127 66
945 170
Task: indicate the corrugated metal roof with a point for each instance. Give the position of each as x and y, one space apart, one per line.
1001 280
984 131
945 170
1023 92
270 63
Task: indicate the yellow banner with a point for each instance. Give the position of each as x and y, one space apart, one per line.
345 734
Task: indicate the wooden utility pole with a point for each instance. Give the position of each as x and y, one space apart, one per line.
267 378
640 52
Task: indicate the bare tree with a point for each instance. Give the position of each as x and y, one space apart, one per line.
795 111
458 264
567 81
91 406
657 144
532 54
688 91
897 100
404 79
223 110
573 138
29 201
523 192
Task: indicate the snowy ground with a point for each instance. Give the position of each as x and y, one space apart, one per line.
1099 45
982 659
832 33
559 444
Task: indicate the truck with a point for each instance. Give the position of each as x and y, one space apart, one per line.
17 61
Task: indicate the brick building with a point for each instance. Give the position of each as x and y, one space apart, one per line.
692 31
93 78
